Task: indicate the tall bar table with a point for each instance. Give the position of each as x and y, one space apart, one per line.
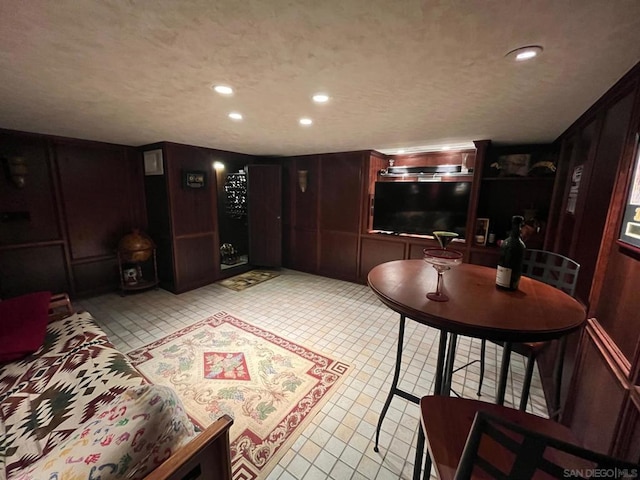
476 308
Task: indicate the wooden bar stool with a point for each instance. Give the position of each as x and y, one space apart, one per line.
473 439
560 272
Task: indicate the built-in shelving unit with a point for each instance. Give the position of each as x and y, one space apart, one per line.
502 182
516 180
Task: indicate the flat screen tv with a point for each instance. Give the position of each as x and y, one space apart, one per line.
421 207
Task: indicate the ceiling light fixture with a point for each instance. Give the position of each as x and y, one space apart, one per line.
235 116
320 98
426 148
223 89
306 121
524 53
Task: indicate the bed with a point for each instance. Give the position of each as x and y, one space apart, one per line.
76 408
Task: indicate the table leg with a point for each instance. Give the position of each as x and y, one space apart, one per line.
448 372
394 382
417 466
439 380
504 371
442 348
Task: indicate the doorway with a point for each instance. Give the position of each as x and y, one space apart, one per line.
233 228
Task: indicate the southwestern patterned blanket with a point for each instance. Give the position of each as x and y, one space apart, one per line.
47 398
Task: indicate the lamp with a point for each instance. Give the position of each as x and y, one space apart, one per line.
18 171
303 179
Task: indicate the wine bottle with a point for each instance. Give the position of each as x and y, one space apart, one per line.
480 235
511 255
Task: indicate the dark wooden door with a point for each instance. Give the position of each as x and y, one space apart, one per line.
264 201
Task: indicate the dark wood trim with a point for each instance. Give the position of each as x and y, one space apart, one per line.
631 420
585 181
482 147
171 211
97 258
615 361
61 214
614 357
557 198
362 181
215 224
569 162
195 235
632 249
374 164
18 246
318 217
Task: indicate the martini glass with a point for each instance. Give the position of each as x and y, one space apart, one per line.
442 260
444 238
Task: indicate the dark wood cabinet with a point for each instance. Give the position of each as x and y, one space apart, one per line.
375 250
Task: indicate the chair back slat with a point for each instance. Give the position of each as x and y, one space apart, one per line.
551 268
504 450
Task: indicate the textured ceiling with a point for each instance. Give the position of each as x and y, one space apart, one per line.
399 72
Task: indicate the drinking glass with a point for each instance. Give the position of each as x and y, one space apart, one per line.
442 260
444 238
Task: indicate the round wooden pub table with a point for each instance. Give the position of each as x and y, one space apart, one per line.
476 308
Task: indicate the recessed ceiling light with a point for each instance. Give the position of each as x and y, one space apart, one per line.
235 116
306 121
444 148
401 151
524 53
223 89
320 98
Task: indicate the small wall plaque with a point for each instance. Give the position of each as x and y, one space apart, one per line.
194 179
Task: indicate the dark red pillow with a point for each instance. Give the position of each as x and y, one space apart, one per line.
23 325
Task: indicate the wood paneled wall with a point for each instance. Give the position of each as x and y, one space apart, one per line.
323 223
183 220
60 231
602 405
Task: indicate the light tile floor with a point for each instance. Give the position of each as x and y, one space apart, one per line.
342 319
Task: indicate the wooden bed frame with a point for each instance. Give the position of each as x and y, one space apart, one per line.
206 457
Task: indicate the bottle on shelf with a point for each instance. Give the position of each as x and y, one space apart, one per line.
480 234
511 255
491 238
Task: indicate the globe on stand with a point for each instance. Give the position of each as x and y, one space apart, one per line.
442 260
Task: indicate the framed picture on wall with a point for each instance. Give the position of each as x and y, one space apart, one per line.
194 179
630 229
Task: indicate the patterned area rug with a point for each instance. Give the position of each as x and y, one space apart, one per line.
270 386
248 279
